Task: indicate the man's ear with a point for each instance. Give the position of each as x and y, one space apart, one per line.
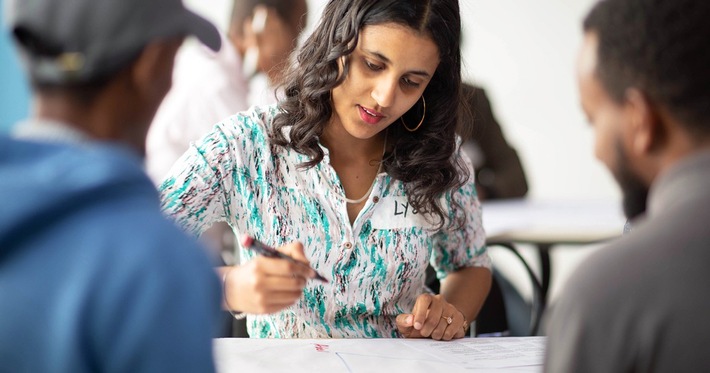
151 75
646 128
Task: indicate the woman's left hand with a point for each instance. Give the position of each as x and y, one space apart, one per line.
432 317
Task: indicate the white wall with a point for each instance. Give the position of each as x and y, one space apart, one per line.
523 52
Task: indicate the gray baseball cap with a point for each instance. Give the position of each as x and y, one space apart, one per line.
77 41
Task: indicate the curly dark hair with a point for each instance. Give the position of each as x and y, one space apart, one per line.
425 160
659 47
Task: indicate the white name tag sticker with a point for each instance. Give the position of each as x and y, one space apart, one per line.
396 213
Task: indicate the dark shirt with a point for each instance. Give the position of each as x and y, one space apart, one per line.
499 173
641 304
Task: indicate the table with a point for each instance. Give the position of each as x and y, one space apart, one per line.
523 354
547 223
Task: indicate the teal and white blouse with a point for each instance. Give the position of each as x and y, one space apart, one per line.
375 266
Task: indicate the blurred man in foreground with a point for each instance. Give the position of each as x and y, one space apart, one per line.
640 305
92 277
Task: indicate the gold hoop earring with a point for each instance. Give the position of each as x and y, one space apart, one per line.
420 122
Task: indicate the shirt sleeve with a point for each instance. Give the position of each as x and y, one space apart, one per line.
465 247
212 181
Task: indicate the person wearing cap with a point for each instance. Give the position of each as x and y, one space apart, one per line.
93 278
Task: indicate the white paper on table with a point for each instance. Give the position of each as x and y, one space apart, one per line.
493 353
377 355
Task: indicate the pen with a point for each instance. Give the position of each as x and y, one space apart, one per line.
252 243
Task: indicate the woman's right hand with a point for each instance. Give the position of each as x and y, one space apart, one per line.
267 285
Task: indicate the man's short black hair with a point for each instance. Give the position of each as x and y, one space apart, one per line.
661 47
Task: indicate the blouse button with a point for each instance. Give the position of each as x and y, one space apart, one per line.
348 245
375 199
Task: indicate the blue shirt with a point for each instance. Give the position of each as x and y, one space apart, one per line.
92 277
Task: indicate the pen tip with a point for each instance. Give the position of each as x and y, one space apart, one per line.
247 240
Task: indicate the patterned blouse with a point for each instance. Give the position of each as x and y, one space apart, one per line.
375 266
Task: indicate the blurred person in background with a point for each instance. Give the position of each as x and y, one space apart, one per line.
499 173
210 86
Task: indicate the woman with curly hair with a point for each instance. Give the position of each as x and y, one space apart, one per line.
357 172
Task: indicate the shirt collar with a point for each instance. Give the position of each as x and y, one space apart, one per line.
49 131
686 181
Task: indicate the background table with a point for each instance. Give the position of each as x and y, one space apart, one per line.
545 224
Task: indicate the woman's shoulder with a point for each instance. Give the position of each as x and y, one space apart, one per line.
253 123
257 117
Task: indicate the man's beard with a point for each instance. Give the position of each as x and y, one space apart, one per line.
635 192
